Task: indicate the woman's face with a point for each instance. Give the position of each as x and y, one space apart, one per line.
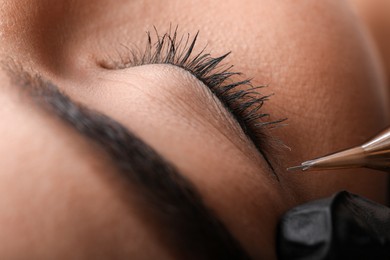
62 195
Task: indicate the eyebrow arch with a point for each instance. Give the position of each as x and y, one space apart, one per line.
177 204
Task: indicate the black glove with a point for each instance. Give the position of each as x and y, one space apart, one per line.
345 226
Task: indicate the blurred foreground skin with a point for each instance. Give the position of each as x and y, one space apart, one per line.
60 197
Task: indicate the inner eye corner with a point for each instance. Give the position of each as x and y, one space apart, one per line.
112 64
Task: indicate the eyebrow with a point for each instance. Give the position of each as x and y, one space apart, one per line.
177 204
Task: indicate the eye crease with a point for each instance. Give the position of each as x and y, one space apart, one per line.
240 98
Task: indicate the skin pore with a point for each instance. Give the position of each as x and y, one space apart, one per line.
314 56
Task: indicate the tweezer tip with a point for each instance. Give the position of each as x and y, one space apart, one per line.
303 167
295 168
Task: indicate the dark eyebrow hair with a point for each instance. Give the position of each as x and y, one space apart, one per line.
178 206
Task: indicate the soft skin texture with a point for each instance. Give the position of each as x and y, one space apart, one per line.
375 16
315 56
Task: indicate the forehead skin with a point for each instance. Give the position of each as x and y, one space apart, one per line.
314 56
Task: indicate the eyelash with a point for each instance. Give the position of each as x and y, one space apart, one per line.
239 97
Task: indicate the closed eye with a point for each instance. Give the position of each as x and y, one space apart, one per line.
242 100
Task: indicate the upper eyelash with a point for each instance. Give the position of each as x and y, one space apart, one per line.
239 97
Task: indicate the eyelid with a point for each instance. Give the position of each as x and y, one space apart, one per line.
240 98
